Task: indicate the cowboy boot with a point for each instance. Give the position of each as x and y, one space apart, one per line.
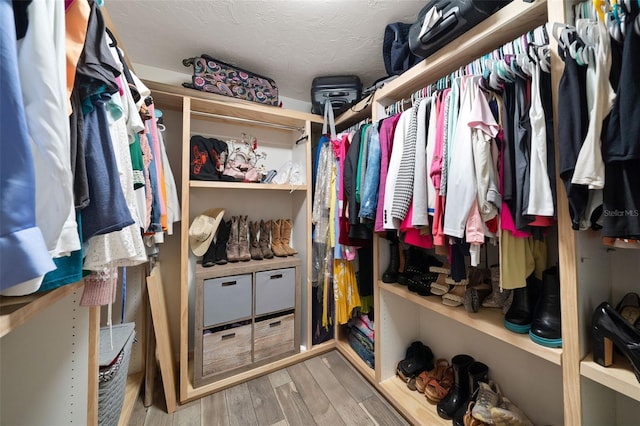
221 242
276 241
232 244
256 253
243 240
265 233
285 234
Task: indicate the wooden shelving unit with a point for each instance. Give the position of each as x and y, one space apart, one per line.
486 321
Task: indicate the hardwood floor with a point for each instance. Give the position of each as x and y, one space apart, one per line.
325 390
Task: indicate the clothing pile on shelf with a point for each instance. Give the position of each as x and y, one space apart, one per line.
361 338
599 103
87 186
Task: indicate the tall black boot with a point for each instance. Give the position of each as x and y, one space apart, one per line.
478 372
459 393
546 327
519 316
390 275
222 237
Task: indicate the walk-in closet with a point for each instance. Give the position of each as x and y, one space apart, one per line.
318 212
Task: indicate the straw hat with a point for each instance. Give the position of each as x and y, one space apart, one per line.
203 229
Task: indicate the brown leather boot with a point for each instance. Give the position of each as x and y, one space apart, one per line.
285 234
232 244
243 240
256 253
265 235
276 242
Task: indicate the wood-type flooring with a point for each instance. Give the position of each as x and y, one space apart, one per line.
325 390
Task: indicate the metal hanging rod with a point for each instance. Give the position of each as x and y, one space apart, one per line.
248 120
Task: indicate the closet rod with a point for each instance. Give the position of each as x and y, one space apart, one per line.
248 120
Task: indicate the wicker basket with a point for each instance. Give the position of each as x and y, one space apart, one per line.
112 376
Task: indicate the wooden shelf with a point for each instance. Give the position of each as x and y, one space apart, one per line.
355 360
412 404
357 113
487 321
619 376
15 311
245 185
224 105
237 268
508 23
131 392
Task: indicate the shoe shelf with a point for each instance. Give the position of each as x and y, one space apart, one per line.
618 376
237 268
243 185
412 404
488 321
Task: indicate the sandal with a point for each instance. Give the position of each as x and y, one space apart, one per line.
436 389
423 378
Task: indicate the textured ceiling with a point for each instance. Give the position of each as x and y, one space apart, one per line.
289 41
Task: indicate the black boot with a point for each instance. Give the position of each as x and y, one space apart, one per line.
519 316
222 237
478 372
459 393
210 258
418 261
546 324
391 273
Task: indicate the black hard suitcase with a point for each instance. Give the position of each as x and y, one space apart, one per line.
458 16
342 90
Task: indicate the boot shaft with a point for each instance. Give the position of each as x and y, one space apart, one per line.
265 235
254 249
243 239
222 238
232 244
285 235
276 239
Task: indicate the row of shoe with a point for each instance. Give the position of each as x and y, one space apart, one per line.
461 390
617 327
533 309
219 241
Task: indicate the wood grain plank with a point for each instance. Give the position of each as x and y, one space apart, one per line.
240 407
281 423
265 402
295 410
319 405
188 414
381 413
350 379
345 405
214 410
279 377
162 336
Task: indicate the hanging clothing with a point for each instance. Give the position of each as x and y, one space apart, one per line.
24 256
